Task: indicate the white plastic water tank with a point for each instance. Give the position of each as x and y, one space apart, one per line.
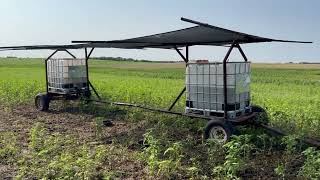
204 83
66 75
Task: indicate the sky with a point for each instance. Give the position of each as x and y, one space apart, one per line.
61 21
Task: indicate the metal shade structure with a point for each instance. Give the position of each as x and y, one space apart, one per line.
202 34
44 47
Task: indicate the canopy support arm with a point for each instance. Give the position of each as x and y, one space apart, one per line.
241 52
87 57
186 59
70 53
89 84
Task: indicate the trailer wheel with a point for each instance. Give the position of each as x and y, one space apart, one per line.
262 117
87 94
218 130
42 102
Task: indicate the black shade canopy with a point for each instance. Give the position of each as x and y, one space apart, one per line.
202 34
198 35
39 47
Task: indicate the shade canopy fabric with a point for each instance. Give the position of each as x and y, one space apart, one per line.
40 47
197 35
203 34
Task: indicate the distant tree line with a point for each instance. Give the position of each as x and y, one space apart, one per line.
309 62
127 59
304 62
144 60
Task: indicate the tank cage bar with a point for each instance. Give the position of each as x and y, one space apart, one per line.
87 56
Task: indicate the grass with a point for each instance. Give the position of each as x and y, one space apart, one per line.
174 147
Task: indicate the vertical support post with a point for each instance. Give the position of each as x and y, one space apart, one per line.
87 71
46 69
225 79
187 54
87 67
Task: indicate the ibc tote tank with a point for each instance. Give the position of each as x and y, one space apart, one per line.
66 75
204 88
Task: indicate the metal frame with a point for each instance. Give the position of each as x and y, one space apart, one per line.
89 84
185 58
238 120
234 44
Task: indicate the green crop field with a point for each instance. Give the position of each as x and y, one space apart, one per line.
173 146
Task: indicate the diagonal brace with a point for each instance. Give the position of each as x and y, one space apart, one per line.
175 101
182 56
241 52
74 57
94 90
186 60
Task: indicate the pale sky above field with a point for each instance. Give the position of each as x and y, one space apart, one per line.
60 21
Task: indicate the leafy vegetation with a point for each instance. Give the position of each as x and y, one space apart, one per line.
8 147
311 168
238 150
172 147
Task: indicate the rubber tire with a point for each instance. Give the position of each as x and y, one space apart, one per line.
87 94
42 102
214 123
262 112
256 108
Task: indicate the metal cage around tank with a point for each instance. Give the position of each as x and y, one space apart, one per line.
205 88
66 75
67 78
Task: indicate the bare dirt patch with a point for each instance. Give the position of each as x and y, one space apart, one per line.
81 125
